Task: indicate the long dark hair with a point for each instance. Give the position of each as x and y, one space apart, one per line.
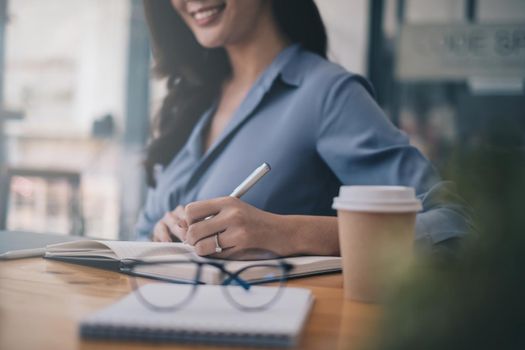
195 74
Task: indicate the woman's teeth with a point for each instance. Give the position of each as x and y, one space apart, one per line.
202 15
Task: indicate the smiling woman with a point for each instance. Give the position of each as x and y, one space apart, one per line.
249 82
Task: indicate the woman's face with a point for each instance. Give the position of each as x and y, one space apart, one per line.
218 23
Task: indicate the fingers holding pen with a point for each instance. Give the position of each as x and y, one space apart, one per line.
226 240
201 219
211 216
225 214
228 226
198 211
206 228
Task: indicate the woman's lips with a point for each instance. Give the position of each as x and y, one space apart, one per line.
207 15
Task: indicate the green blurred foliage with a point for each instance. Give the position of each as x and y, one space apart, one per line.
476 301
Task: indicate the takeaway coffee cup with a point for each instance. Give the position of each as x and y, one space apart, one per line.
376 234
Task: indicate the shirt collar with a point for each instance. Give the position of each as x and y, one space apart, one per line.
283 67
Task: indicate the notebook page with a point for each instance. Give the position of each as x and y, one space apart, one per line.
118 249
80 248
130 249
302 265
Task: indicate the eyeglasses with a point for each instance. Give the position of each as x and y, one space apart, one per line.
191 271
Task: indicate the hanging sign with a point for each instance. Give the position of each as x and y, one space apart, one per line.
461 51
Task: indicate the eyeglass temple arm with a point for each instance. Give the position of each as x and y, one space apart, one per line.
128 264
234 276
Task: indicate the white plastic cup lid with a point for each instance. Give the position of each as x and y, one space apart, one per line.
377 199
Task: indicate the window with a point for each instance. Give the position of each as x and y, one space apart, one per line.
65 74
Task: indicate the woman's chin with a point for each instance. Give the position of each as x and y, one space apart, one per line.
207 45
210 42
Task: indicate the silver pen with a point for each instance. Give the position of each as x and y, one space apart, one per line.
23 253
248 183
251 180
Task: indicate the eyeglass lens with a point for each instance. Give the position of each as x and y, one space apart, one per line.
181 295
255 297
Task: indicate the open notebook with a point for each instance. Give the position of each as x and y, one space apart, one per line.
208 318
108 254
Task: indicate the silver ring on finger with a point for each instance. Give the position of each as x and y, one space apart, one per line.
218 248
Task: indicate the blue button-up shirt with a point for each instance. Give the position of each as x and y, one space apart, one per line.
319 127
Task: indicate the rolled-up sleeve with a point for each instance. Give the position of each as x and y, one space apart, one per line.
148 217
362 147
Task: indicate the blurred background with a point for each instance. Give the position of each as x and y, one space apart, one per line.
76 95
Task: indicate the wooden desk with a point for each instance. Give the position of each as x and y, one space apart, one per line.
41 302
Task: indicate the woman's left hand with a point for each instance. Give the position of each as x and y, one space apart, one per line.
239 226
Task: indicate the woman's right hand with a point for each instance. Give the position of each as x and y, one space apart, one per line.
172 227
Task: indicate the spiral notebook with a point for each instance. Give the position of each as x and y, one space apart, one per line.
208 318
